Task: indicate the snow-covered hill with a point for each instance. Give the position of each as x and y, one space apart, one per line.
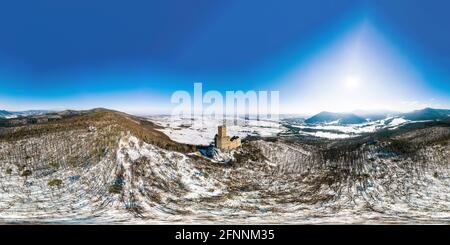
15 114
347 125
329 117
335 130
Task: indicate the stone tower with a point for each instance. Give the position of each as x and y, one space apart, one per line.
222 131
224 142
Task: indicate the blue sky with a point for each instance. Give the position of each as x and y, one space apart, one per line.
132 55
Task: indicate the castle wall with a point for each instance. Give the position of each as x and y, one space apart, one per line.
224 142
227 144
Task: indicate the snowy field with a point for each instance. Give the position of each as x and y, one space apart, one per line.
334 130
201 131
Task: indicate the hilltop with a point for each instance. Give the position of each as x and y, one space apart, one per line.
340 118
428 114
99 118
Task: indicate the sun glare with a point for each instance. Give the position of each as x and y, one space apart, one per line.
352 82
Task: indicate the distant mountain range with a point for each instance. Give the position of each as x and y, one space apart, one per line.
325 117
5 114
353 118
375 115
427 114
330 117
13 114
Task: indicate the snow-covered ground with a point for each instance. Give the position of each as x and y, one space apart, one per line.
334 130
201 131
105 176
160 186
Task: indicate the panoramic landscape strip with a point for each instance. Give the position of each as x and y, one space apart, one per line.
224 113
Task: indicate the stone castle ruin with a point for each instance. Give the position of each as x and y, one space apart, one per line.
224 142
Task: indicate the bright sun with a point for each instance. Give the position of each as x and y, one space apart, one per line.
352 82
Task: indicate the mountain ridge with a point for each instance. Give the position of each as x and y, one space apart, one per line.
341 118
427 113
